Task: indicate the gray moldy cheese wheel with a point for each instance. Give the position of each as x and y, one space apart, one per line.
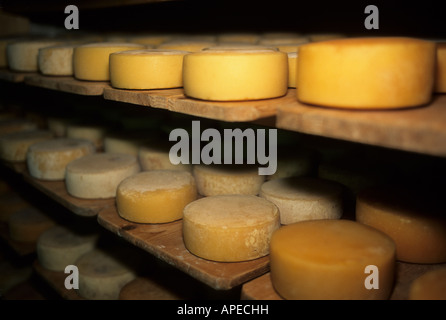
13 146
47 160
304 198
229 228
60 246
97 175
26 225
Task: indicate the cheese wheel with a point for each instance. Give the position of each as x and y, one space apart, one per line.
295 161
313 37
23 55
14 146
229 228
102 274
47 160
11 202
328 260
414 219
144 288
366 73
155 156
292 69
147 69
59 246
227 179
186 45
26 225
304 198
97 175
239 46
152 40
16 125
128 142
58 126
91 61
440 77
429 286
238 37
157 196
92 132
56 60
235 74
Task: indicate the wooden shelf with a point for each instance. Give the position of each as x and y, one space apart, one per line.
11 76
165 241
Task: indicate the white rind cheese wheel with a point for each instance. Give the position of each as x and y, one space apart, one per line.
56 60
23 55
440 77
215 180
47 160
128 142
327 260
429 286
26 225
97 175
102 275
233 75
157 196
93 132
414 219
91 61
304 198
147 69
60 246
366 73
155 156
14 146
229 228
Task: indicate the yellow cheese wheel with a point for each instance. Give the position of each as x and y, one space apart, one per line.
429 286
23 55
366 73
92 132
150 39
97 175
14 146
147 69
16 125
145 288
215 180
440 77
313 37
292 69
414 219
157 196
229 228
238 37
186 45
60 246
26 225
47 160
327 260
56 60
91 61
304 198
238 46
155 156
235 74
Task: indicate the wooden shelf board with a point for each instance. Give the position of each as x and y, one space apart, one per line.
12 76
421 130
165 242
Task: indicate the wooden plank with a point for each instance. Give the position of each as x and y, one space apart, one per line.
12 76
67 84
420 129
165 242
149 98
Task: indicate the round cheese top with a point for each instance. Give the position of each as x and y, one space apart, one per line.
62 237
101 162
61 144
156 180
99 262
151 52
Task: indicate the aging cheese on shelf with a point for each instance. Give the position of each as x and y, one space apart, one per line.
304 198
429 286
23 55
229 228
26 225
230 75
295 161
16 125
157 196
58 126
91 61
328 260
215 180
147 69
60 246
56 60
14 146
155 156
186 45
97 175
440 77
92 132
366 73
102 274
238 37
47 160
292 69
415 220
128 142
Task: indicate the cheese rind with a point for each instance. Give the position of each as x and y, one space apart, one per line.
97 175
292 69
429 286
14 146
157 196
327 260
366 73
155 156
56 60
93 132
233 75
229 228
26 225
440 78
23 55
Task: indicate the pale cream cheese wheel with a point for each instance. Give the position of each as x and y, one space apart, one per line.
26 225
155 156
60 246
14 146
56 60
147 69
232 75
47 160
304 198
157 196
23 55
126 141
229 228
93 132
